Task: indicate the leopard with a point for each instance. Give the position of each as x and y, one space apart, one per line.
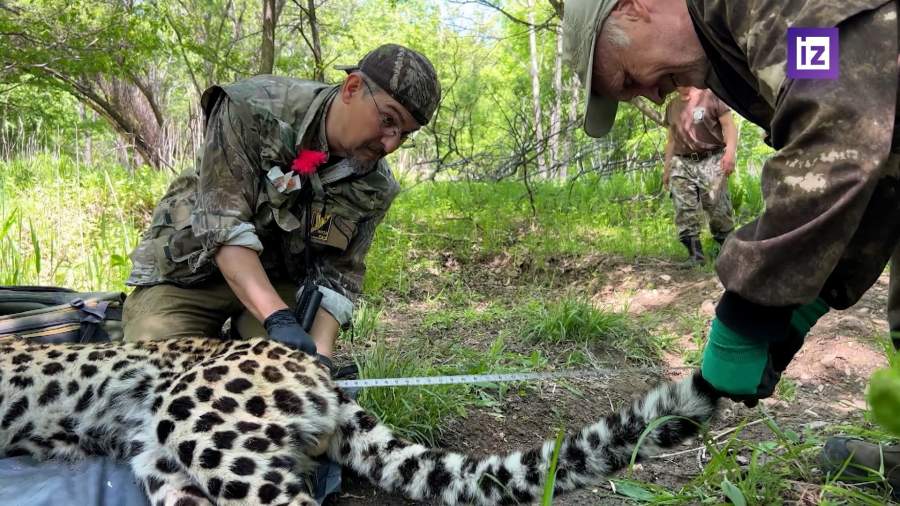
205 422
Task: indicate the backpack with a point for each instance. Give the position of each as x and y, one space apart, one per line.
60 315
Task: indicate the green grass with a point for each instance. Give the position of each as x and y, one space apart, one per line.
743 469
547 495
85 221
624 215
575 321
416 413
421 413
65 224
697 325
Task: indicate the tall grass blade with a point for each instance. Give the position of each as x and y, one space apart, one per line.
547 498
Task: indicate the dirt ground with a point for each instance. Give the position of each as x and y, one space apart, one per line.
830 373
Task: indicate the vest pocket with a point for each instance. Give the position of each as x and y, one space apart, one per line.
332 230
177 255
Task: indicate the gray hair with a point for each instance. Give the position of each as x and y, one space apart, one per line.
613 32
371 86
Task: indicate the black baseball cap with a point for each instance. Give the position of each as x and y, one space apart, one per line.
406 75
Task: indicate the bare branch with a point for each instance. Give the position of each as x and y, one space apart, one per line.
546 24
647 110
181 50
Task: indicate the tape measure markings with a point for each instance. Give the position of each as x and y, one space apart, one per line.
474 379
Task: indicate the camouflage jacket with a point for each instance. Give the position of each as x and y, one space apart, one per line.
253 126
832 212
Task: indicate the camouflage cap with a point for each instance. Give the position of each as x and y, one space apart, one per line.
582 22
406 75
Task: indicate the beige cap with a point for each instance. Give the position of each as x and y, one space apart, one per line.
581 25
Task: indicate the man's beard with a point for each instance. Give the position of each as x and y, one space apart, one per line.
372 152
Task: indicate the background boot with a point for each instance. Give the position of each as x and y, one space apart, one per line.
695 249
862 456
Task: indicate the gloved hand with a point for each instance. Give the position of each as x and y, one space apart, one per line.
733 364
746 370
283 327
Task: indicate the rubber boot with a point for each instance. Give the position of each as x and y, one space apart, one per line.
865 460
695 249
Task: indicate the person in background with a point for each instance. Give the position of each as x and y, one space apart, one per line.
699 159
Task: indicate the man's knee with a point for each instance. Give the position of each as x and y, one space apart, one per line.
248 326
150 327
166 311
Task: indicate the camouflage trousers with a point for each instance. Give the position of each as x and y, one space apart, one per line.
692 184
167 311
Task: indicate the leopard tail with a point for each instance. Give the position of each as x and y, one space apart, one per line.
371 450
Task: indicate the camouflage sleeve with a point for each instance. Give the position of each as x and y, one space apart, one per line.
833 139
228 181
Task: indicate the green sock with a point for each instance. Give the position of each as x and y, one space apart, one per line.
732 363
805 316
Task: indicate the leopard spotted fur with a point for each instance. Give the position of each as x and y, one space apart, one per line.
205 422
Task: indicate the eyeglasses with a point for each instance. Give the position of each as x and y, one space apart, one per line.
389 124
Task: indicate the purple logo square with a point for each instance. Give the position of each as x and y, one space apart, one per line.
813 53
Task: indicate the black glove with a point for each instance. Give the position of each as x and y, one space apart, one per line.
283 327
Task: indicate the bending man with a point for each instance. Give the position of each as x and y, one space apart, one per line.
230 237
832 216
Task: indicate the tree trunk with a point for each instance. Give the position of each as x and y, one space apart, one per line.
536 92
575 90
315 43
267 48
311 36
130 110
556 131
88 149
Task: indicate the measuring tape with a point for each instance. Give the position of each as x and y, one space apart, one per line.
474 379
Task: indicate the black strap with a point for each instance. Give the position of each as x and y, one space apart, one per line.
311 297
307 235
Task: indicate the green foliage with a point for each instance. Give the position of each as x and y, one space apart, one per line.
103 208
884 395
547 496
749 471
624 214
577 321
55 43
574 320
66 225
414 413
85 37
